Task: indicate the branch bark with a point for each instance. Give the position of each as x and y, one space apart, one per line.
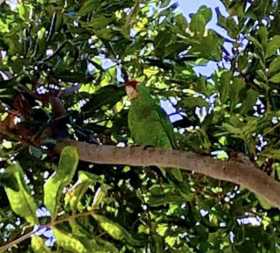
239 170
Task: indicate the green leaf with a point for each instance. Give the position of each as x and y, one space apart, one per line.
277 169
192 102
206 12
115 230
165 199
164 3
8 180
90 241
208 46
275 78
236 131
229 24
236 86
272 45
198 24
106 96
224 86
53 188
85 180
272 153
100 195
87 7
160 197
274 66
38 245
258 45
162 41
21 201
249 101
69 242
230 88
24 10
263 34
261 75
66 42
200 19
181 23
101 246
99 22
263 202
158 243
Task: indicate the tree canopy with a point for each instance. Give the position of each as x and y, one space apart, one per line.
71 177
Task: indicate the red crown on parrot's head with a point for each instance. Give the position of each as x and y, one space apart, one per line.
132 83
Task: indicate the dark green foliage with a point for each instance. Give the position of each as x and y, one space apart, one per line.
102 208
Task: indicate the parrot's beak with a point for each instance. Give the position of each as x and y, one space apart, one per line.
131 92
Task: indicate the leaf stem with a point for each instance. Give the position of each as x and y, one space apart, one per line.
17 241
49 225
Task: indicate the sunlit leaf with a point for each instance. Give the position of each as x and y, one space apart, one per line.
38 245
115 230
53 188
74 195
69 242
264 203
21 201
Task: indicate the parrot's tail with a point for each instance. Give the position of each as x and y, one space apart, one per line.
173 172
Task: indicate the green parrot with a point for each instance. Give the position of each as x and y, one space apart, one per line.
148 123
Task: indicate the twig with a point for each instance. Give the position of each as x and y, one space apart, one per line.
49 225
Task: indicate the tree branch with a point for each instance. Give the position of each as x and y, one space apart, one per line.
239 170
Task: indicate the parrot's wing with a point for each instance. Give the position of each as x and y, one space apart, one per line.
132 123
168 128
150 125
162 116
166 124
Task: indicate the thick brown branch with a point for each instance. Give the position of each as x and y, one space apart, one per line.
238 171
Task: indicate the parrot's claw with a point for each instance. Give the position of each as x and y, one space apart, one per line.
148 146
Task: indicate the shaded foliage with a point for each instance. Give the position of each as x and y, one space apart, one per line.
62 67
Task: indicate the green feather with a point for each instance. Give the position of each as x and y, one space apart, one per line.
150 125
